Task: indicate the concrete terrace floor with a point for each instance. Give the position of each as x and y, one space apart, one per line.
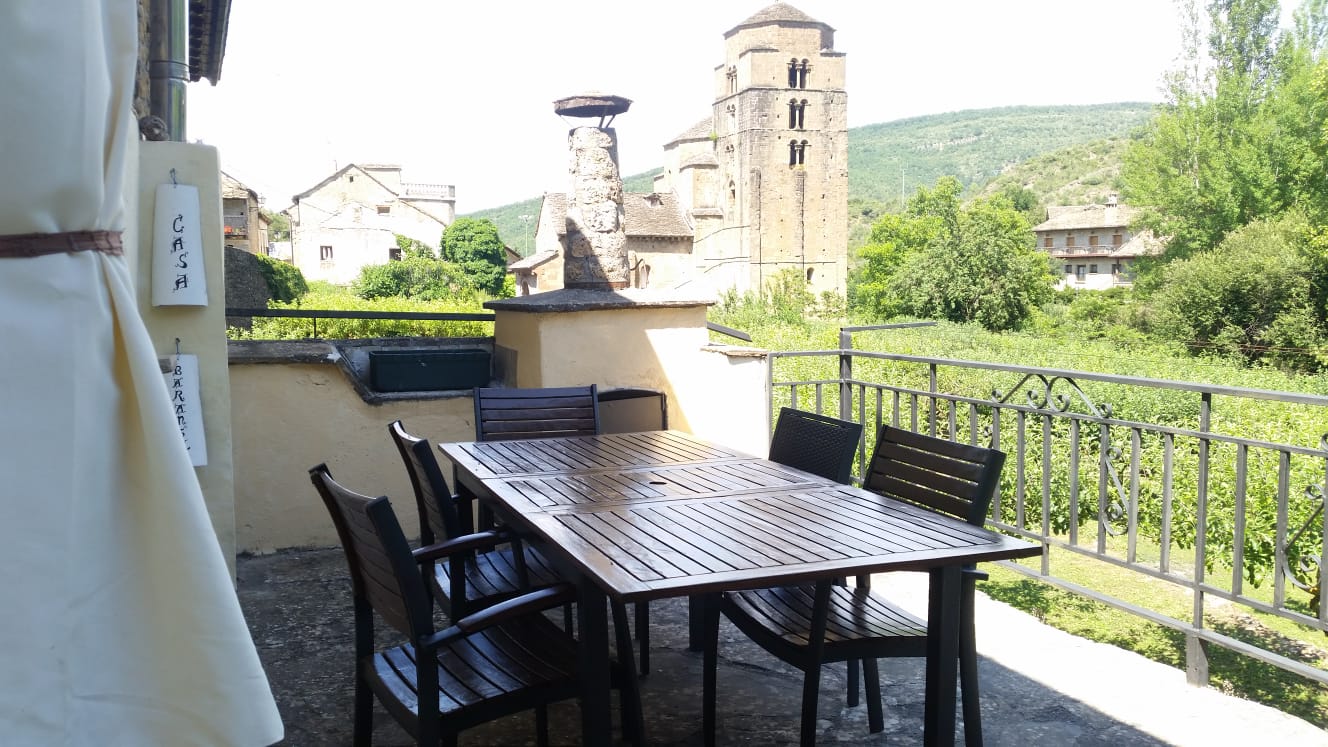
1040 686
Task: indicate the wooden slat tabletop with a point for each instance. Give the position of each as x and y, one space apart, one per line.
655 549
553 455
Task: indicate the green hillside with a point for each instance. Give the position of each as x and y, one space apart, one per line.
976 146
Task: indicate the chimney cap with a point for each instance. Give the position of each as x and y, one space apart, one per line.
592 105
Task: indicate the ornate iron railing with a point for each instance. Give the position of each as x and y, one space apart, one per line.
1154 488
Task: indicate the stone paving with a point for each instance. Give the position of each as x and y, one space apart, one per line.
1040 686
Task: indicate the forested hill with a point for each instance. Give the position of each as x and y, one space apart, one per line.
973 145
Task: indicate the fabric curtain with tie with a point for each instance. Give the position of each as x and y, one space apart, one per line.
121 625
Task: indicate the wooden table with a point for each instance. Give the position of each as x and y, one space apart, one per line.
659 514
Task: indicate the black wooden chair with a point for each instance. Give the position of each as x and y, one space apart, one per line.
465 582
818 444
504 659
511 414
508 414
813 624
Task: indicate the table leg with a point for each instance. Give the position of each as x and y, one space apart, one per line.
696 623
596 717
944 598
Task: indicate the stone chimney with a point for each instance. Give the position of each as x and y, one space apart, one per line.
595 257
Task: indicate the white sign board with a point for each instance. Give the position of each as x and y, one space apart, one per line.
177 248
187 406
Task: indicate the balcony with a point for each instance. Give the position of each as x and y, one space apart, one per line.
235 226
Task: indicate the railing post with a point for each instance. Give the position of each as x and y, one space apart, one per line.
845 374
1196 649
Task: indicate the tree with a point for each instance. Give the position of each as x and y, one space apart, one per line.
414 248
942 259
1252 297
1236 140
474 246
278 225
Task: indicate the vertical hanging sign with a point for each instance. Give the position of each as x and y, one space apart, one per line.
182 383
177 247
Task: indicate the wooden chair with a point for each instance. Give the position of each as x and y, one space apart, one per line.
818 444
510 414
502 660
465 582
813 624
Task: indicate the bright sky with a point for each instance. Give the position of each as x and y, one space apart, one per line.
461 93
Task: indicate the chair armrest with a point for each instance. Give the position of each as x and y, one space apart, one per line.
526 604
464 543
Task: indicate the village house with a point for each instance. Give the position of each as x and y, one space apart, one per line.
243 224
758 187
1093 245
351 220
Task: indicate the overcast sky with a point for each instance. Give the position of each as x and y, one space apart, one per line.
461 93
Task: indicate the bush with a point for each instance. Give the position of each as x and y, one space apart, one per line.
413 277
284 281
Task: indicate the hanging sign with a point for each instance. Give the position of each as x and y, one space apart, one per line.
186 405
177 248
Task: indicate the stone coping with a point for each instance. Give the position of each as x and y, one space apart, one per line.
578 299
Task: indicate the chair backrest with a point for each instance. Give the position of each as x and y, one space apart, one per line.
956 479
510 414
438 514
814 443
382 570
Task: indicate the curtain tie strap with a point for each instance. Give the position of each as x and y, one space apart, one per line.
40 244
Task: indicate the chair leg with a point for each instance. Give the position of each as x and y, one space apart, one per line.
852 683
542 725
629 691
710 663
363 728
568 626
643 635
811 691
875 717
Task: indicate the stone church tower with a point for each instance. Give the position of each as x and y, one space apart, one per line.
765 178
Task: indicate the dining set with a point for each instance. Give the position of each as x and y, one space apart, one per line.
550 532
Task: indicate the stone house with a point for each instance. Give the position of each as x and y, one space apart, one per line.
1093 245
243 224
757 187
351 219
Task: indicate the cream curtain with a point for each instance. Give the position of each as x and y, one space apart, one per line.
120 625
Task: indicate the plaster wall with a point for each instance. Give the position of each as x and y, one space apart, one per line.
710 392
289 417
201 330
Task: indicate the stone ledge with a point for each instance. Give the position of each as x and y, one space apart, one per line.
737 351
572 299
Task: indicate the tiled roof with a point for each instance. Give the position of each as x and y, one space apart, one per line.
647 214
779 12
699 131
700 160
232 188
533 261
1072 217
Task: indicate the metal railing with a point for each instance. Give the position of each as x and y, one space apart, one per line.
1152 487
315 314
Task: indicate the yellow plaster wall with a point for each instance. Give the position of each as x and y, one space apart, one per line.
202 330
290 417
716 395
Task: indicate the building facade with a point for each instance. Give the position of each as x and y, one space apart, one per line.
760 185
1093 245
351 219
243 224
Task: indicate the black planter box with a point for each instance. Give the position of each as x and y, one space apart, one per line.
427 370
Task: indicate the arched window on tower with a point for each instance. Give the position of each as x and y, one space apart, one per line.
793 73
810 270
733 195
803 74
802 112
793 114
793 152
802 150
